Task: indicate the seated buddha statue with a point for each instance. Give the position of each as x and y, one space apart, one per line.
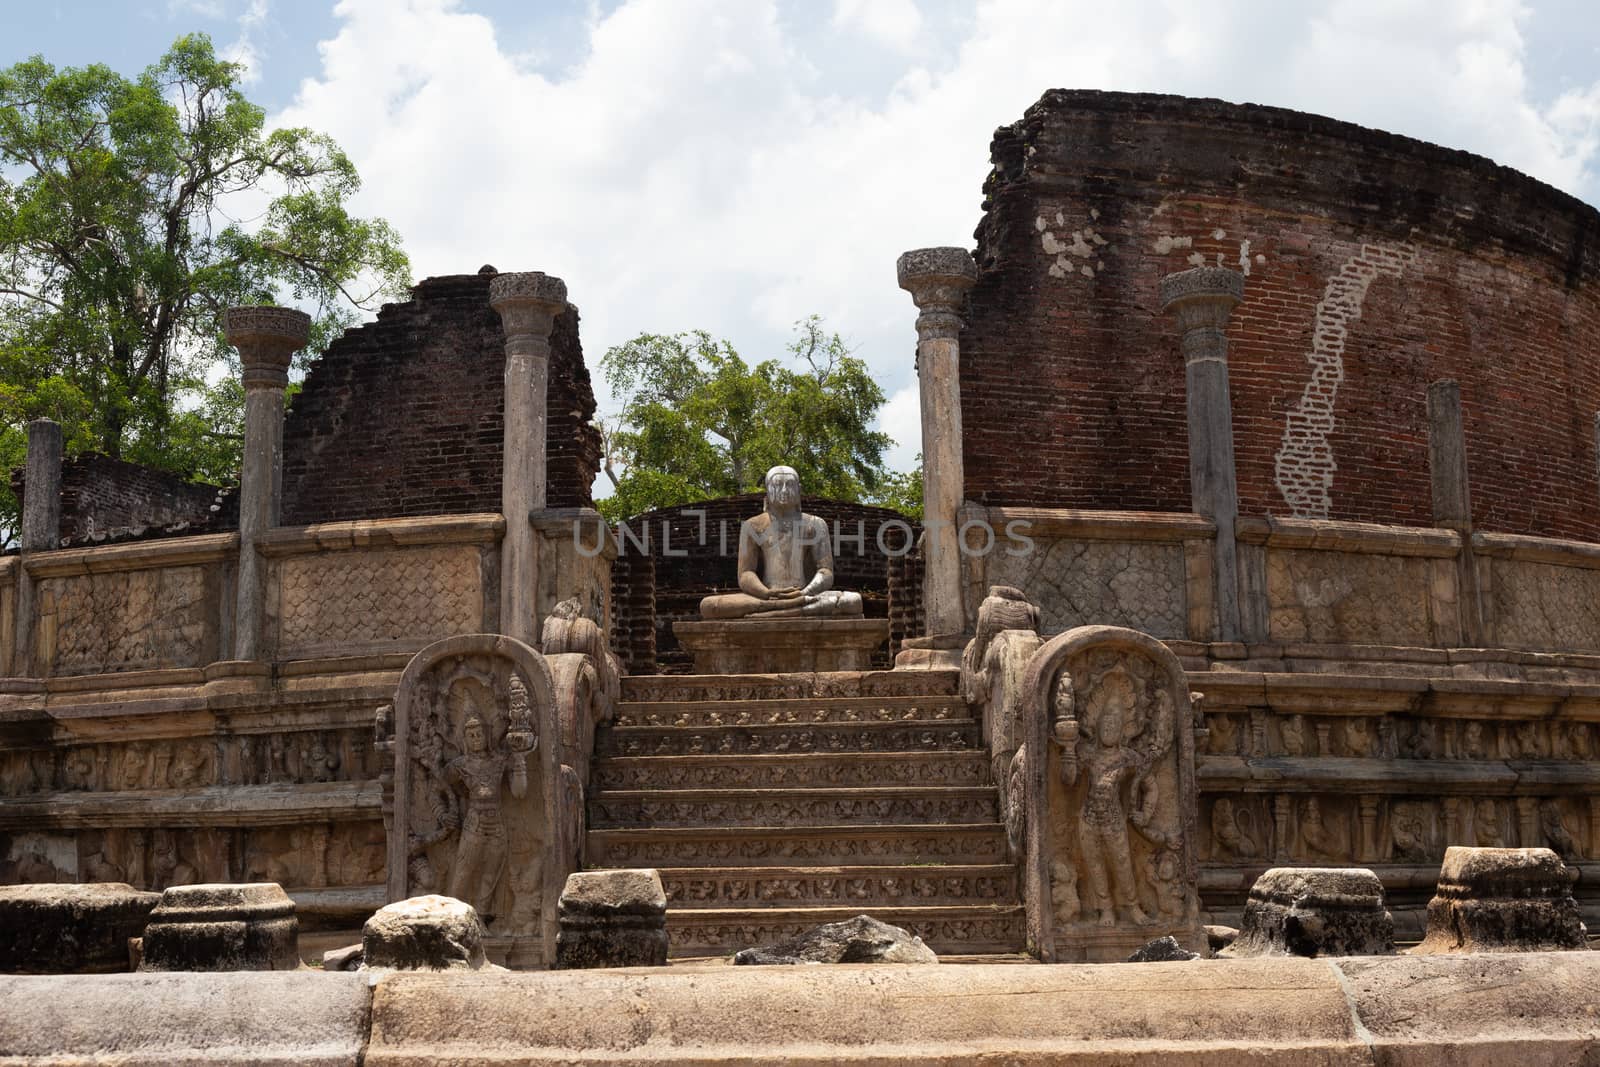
785 562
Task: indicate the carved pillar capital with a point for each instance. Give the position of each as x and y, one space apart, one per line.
528 303
938 280
267 339
1202 299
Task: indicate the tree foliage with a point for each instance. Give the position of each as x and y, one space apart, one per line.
132 213
697 421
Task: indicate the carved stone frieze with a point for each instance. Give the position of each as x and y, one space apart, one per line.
863 737
861 886
638 848
755 713
922 768
799 807
127 620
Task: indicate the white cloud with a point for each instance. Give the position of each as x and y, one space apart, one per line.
694 169
245 50
895 23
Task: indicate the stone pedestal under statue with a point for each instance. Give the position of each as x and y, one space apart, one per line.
782 646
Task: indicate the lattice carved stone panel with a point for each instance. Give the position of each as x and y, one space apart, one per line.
1544 606
373 597
1080 583
1348 597
128 620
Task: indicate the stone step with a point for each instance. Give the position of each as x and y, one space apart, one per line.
951 734
703 713
792 807
968 767
856 887
703 687
968 930
786 846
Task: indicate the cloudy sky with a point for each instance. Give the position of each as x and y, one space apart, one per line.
736 165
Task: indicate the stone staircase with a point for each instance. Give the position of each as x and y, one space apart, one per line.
772 803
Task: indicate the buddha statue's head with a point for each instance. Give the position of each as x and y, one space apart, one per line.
783 490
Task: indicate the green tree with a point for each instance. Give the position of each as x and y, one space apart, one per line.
132 213
697 421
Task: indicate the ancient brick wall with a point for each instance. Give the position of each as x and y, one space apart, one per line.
1376 265
403 416
105 499
691 559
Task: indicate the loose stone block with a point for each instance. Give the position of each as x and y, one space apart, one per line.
249 927
1315 911
859 940
48 928
612 919
424 933
1503 900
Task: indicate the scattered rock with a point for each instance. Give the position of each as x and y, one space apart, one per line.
424 933
248 927
612 919
859 940
342 959
1220 937
1163 950
1503 900
49 928
1315 911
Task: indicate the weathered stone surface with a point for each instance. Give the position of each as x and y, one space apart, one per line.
424 933
247 927
1220 937
1503 900
185 1020
614 918
348 958
1315 911
758 645
70 929
1163 950
859 940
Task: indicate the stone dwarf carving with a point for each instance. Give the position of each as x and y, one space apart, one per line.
785 562
993 668
1110 797
476 785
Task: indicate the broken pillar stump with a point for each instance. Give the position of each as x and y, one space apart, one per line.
1315 911
50 928
1503 900
431 932
612 919
247 927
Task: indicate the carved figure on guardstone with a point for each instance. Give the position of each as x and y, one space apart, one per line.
1111 803
476 785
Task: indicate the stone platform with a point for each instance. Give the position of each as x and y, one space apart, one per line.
781 646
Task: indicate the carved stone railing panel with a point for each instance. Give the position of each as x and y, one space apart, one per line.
125 620
362 598
478 791
1075 583
1110 798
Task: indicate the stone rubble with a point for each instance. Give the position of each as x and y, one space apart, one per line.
859 940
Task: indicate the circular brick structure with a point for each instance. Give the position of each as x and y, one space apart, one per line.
1375 265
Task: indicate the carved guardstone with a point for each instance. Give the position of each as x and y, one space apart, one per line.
1503 900
1108 789
476 794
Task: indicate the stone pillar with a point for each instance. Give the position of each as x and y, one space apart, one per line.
1202 298
41 529
267 338
1452 498
528 304
938 280
1368 809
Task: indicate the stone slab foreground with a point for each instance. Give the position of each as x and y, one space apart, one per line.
1397 1011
